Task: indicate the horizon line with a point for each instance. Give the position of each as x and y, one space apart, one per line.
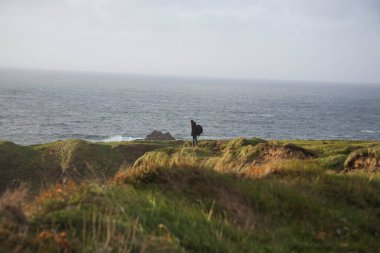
232 78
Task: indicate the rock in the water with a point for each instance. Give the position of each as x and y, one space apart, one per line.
159 136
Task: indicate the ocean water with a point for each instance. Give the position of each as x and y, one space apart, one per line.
43 106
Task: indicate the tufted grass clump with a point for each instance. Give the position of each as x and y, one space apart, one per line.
170 197
370 158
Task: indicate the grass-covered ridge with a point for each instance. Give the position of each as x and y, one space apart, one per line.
255 156
241 195
76 160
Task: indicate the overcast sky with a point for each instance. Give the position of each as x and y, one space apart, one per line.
321 40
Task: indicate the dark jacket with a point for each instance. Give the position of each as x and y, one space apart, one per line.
194 131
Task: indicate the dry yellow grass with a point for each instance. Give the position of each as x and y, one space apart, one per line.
12 204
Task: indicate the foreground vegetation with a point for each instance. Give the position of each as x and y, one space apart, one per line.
241 195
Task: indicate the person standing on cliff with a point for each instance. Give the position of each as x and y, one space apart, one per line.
196 130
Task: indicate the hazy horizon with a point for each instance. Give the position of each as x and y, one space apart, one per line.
55 72
326 41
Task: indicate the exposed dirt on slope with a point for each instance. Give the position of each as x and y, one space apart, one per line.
285 151
363 159
238 156
364 162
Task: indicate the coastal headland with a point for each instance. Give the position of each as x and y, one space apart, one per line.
236 195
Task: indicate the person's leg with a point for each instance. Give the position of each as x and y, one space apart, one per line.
196 141
194 138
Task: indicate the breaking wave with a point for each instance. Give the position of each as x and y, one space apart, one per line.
118 138
368 131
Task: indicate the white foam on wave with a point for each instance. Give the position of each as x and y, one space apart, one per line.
368 131
266 115
118 138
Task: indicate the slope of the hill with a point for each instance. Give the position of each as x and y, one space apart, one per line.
76 160
241 195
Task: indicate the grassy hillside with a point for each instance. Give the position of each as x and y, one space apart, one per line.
68 160
224 196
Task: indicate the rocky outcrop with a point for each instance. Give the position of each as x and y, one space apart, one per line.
159 136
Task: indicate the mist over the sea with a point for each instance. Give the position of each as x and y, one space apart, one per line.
43 106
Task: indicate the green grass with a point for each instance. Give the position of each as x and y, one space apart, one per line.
15 162
175 199
200 210
333 153
44 164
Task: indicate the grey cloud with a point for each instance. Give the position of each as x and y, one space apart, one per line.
335 40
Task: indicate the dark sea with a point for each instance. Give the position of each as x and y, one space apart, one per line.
43 106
